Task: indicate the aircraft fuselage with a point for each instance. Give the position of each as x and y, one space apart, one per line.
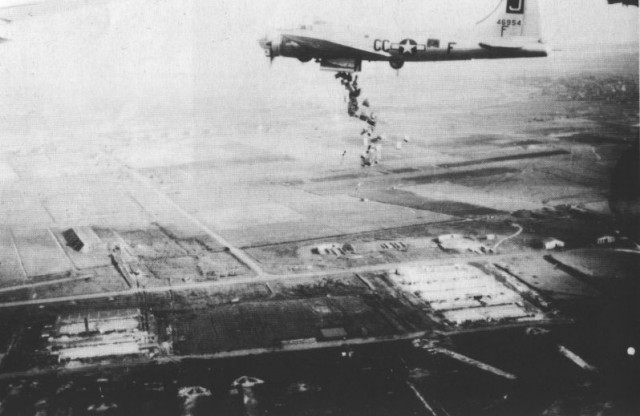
512 30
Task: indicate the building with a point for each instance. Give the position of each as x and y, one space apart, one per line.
119 320
82 239
551 243
605 239
464 294
445 237
86 336
332 249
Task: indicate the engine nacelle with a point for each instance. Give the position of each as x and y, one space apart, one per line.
396 64
275 47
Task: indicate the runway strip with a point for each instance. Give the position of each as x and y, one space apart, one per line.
531 155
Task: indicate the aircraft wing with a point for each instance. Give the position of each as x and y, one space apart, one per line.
12 10
625 2
318 47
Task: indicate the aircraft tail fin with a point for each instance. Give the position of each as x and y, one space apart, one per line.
512 18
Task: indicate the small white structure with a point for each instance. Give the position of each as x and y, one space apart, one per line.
193 391
605 239
189 397
461 244
332 249
245 384
552 243
446 237
98 350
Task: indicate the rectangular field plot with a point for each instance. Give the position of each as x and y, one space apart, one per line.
270 324
40 252
10 270
540 274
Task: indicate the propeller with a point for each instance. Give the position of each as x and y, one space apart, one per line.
266 44
271 55
271 46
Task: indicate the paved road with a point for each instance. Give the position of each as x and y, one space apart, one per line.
266 278
517 233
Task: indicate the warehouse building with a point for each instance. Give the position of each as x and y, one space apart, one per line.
86 336
464 294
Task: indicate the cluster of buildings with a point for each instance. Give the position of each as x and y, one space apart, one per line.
94 335
464 294
461 244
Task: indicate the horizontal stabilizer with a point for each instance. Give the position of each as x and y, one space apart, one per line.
500 45
519 47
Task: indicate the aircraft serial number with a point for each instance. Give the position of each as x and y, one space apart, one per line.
508 22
